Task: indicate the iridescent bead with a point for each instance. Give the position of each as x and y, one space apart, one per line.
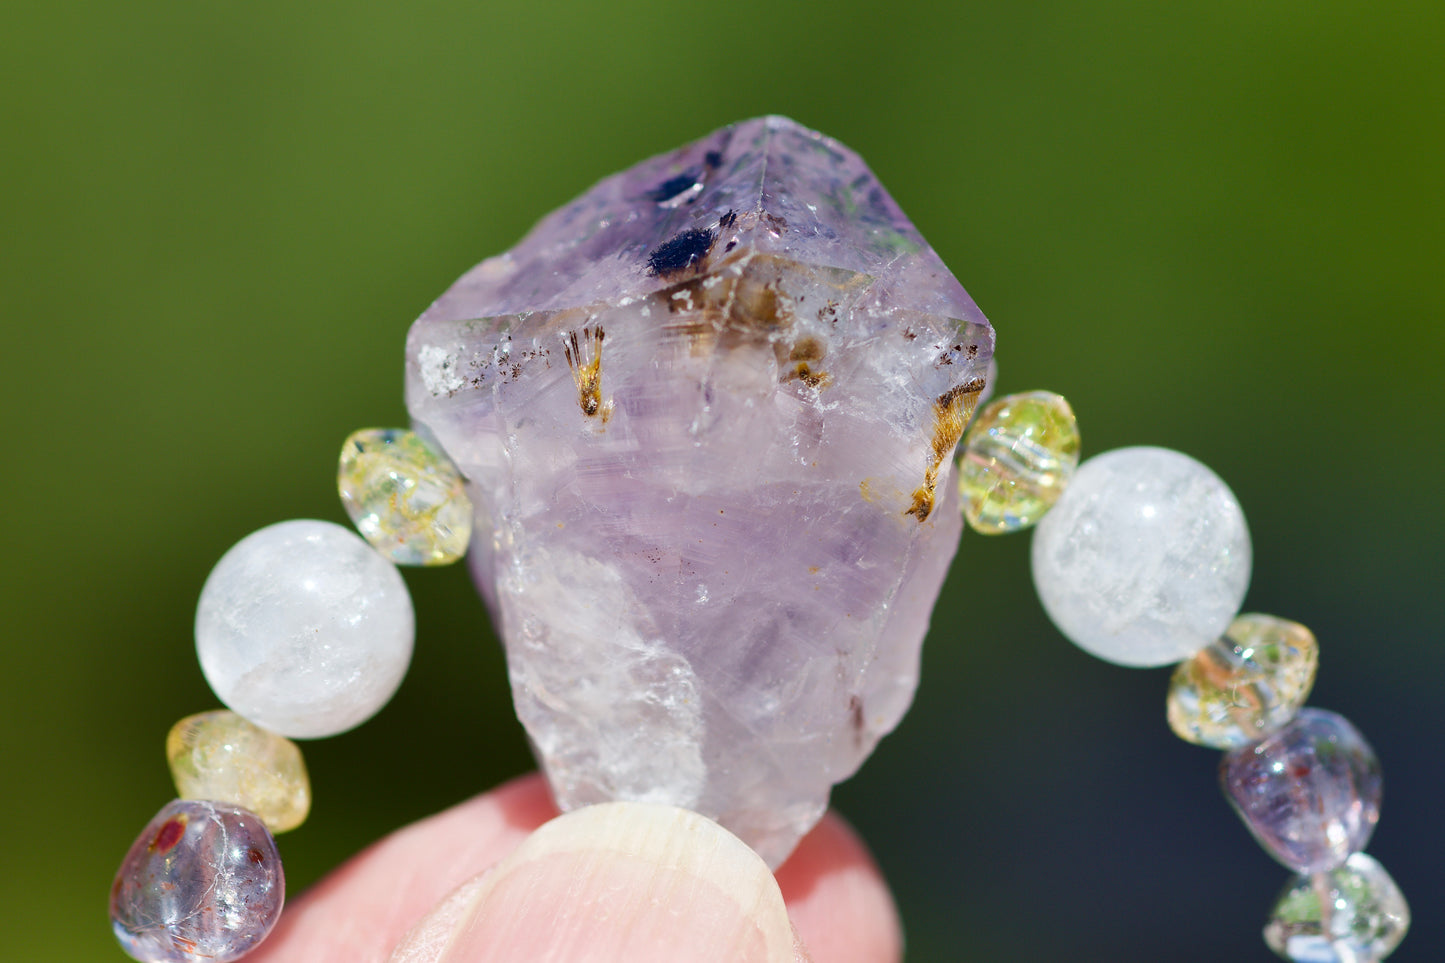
1244 685
1017 457
1310 793
202 881
304 629
405 496
222 757
1353 914
1145 557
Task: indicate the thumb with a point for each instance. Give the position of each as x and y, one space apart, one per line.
619 881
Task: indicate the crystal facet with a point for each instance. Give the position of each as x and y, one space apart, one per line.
202 881
304 629
708 412
1310 793
1353 914
224 758
1246 684
1144 559
404 496
1017 457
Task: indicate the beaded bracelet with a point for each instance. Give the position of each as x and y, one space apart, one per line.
304 630
1141 557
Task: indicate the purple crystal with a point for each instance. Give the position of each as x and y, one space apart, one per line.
202 881
707 412
1310 792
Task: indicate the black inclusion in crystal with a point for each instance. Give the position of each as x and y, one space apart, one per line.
672 187
680 253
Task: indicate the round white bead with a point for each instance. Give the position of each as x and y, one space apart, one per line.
304 629
1144 559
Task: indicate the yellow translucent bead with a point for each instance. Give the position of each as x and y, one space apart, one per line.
405 497
221 757
1017 457
1245 685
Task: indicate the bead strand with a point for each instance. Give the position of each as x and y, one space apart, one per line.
304 630
1143 558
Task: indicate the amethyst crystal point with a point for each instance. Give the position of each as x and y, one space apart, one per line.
707 412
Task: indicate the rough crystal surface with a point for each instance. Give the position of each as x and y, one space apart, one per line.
1353 914
202 881
221 757
707 412
1310 793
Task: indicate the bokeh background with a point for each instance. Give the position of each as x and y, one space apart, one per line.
1216 227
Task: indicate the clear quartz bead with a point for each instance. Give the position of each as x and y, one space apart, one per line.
1145 557
405 496
1017 457
1310 792
304 629
1245 684
1352 914
223 757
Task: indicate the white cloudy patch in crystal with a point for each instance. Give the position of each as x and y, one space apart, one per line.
618 712
437 366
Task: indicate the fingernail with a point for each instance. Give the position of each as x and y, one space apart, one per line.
619 881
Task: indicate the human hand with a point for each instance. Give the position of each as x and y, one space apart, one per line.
467 889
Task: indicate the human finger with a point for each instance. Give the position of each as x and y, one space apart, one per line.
835 895
359 912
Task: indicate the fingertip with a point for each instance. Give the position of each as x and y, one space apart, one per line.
840 907
641 882
840 904
359 911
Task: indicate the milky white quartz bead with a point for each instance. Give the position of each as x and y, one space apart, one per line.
304 629
1145 558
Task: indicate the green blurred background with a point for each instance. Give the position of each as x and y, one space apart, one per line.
1216 227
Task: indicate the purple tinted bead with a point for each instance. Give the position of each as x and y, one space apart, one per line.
1309 792
203 880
